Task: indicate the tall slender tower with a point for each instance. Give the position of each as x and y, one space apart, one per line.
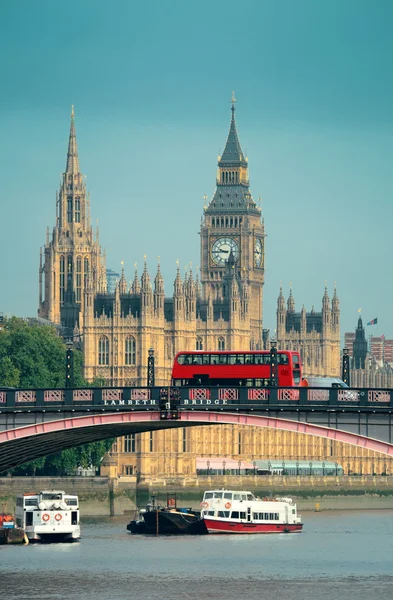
232 226
72 253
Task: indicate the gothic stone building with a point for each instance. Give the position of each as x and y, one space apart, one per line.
315 334
219 309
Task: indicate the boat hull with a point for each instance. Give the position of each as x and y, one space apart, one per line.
216 526
172 522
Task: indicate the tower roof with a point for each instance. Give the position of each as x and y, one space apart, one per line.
72 154
233 153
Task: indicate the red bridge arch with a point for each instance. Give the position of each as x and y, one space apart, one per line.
22 444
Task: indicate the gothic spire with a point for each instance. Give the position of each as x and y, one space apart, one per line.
123 281
136 287
291 302
72 154
232 152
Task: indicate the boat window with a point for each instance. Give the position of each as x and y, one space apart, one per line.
228 495
242 515
210 513
235 514
217 494
271 516
266 516
255 516
19 502
223 513
208 495
250 497
31 502
276 517
294 511
243 497
29 519
236 497
71 501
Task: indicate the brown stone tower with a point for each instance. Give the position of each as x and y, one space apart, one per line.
232 227
72 254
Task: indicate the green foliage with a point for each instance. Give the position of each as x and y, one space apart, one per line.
33 356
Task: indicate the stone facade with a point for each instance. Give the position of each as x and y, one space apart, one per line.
316 335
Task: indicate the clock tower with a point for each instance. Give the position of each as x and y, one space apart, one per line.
232 226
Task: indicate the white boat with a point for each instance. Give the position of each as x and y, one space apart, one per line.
49 516
232 511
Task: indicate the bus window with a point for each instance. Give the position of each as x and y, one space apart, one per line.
249 359
282 359
222 359
206 359
214 359
180 359
196 359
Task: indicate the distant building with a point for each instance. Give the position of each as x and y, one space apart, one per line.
371 367
376 348
112 278
349 339
315 334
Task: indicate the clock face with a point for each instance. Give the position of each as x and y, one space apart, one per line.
221 250
258 253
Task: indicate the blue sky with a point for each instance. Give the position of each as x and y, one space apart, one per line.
151 85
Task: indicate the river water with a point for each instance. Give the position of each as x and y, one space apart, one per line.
341 555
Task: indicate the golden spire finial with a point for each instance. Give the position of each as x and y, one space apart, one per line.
145 257
135 264
72 111
177 262
122 263
158 259
359 310
233 100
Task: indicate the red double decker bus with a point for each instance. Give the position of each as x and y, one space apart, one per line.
235 369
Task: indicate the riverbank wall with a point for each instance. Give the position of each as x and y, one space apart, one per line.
103 496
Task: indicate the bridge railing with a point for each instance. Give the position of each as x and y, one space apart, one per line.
159 398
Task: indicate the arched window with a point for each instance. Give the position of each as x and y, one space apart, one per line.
69 209
130 351
221 343
78 278
103 350
199 343
62 278
77 210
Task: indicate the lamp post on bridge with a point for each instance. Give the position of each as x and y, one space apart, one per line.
150 368
346 376
273 365
69 366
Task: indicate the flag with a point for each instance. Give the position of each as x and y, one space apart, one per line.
373 322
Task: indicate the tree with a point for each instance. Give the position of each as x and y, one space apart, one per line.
33 356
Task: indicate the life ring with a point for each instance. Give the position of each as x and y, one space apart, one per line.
204 504
45 517
171 502
58 517
228 505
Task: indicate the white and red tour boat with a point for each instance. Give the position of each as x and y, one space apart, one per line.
226 511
